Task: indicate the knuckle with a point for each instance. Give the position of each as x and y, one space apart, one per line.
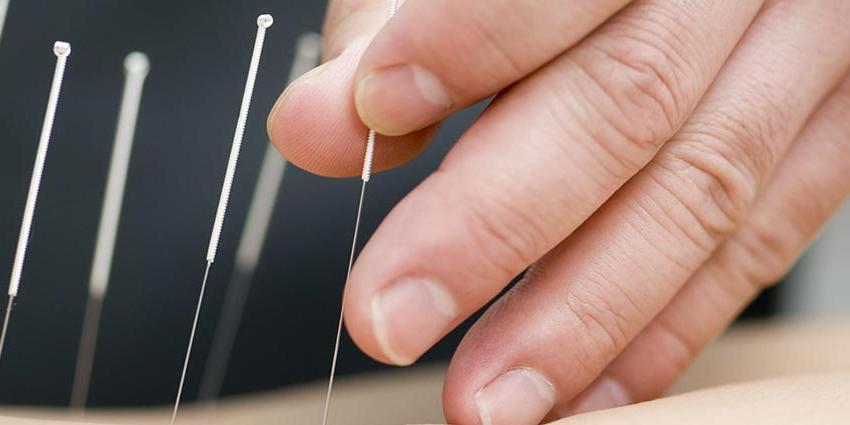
679 347
603 316
756 124
666 347
641 91
724 154
768 254
724 164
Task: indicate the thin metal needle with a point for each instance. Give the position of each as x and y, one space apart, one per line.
191 341
136 68
254 233
365 177
263 23
6 324
62 50
342 309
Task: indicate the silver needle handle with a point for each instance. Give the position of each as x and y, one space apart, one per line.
263 23
62 50
366 175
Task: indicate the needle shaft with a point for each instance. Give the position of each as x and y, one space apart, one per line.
6 324
191 341
225 334
263 23
254 231
342 308
365 177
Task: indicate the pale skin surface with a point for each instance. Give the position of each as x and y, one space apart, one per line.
821 400
655 163
789 371
811 399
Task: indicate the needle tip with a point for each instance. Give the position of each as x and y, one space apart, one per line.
61 49
265 21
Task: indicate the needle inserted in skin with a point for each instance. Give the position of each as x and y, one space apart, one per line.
136 67
62 50
256 227
263 23
367 174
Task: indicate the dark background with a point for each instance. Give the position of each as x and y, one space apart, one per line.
199 51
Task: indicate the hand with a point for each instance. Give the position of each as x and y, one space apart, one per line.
655 163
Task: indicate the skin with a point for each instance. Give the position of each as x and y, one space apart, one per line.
794 400
761 373
654 164
820 399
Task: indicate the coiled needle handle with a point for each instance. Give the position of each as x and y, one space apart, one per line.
255 228
263 23
62 50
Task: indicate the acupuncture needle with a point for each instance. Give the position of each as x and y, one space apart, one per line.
364 177
136 67
62 50
254 232
263 23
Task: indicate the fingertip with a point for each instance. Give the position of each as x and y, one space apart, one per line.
312 129
360 322
314 124
394 310
459 402
474 364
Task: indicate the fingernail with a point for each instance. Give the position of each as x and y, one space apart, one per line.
519 397
409 316
401 99
605 393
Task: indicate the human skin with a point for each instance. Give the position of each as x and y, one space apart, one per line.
766 357
819 399
807 399
654 164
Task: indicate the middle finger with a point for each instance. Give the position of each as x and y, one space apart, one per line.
535 166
